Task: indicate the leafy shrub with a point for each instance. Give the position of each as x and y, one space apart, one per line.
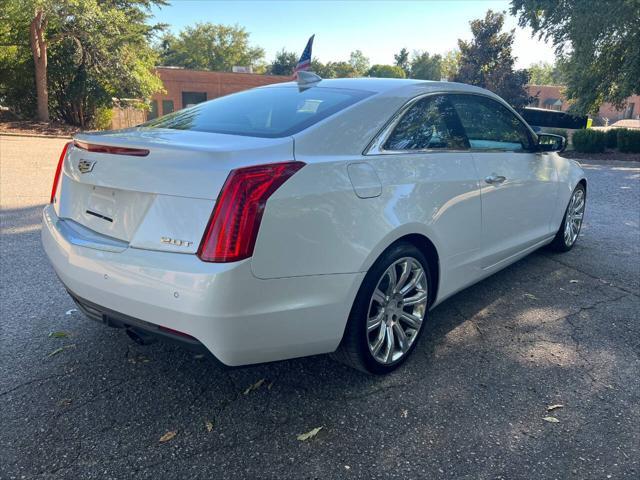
557 131
102 119
628 140
612 137
589 141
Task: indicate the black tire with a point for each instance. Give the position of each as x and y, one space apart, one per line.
354 349
559 244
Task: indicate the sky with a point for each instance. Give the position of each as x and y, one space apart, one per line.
378 28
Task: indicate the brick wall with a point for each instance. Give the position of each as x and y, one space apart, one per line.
214 84
607 111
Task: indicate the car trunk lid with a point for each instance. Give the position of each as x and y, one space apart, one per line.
162 199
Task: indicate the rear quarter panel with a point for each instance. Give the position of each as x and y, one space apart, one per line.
315 224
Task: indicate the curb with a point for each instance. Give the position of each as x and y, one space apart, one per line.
34 135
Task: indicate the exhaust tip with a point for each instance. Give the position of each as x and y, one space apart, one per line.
140 337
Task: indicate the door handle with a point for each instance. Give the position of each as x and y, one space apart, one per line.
495 179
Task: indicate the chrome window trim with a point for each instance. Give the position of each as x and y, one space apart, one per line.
376 145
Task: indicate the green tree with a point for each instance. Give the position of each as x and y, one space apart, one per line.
425 66
83 54
284 63
343 69
450 64
319 68
487 61
17 83
359 63
209 46
402 60
599 41
544 73
387 71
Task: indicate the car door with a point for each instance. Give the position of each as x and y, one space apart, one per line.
428 177
518 183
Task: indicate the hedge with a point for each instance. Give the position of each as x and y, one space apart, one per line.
589 141
612 138
628 141
557 131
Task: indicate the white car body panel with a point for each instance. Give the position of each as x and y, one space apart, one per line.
240 318
320 232
517 213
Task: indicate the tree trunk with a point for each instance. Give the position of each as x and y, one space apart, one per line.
39 50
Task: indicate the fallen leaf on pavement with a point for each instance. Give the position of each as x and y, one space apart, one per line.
255 386
551 408
138 359
209 425
168 436
58 335
531 296
65 402
551 419
61 349
310 434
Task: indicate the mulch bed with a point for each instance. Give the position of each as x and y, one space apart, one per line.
606 155
25 127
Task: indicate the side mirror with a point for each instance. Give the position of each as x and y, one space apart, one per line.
548 142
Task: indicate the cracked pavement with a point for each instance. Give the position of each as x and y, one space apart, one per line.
550 329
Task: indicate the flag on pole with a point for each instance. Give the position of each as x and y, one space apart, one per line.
305 59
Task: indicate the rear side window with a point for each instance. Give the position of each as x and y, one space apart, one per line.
490 125
429 124
263 112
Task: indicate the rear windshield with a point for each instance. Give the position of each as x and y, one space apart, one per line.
262 112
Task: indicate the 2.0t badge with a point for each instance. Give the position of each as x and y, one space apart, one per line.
176 242
85 166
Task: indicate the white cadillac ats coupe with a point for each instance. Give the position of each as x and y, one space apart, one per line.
306 218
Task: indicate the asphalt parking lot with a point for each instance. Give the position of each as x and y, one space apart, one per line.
471 403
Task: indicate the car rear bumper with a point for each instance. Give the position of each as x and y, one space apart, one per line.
239 318
144 331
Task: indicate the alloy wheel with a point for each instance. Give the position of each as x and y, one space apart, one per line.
575 214
396 310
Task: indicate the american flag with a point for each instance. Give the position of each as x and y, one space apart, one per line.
305 60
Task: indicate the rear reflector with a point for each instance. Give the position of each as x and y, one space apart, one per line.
233 227
56 176
175 332
92 147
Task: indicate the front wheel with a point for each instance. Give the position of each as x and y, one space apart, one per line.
569 230
389 311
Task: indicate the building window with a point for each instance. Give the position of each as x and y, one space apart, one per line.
167 106
628 112
192 98
153 112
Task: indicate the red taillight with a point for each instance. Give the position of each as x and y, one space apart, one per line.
92 147
233 228
56 177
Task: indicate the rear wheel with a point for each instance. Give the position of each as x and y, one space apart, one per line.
388 313
569 230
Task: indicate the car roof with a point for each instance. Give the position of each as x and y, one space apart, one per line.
388 85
